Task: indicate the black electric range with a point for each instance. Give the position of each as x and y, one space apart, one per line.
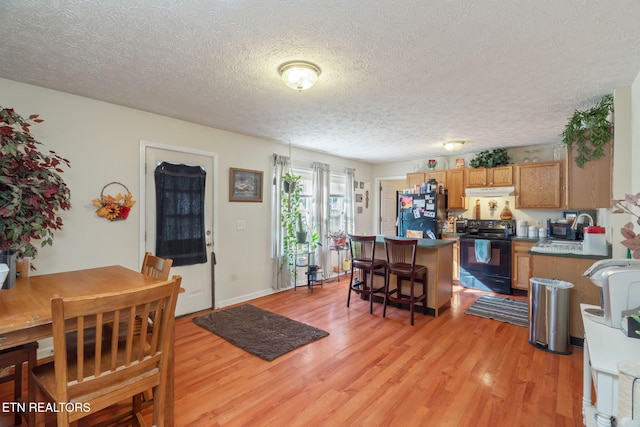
485 255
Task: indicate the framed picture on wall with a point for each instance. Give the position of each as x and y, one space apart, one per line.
245 185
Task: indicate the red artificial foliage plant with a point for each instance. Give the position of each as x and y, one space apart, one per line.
31 188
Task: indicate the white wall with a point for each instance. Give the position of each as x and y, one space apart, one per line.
102 142
622 160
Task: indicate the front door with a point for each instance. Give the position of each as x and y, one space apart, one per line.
197 279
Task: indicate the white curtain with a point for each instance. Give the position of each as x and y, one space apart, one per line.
321 181
281 275
349 202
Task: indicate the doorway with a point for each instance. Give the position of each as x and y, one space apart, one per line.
197 279
388 205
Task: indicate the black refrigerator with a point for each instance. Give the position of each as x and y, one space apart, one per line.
421 215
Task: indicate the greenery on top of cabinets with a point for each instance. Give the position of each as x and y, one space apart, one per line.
589 130
290 208
490 159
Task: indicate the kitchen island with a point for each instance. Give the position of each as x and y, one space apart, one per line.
437 256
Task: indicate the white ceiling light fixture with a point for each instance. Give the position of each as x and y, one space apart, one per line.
299 75
453 145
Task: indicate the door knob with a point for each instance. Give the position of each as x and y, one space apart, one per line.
209 244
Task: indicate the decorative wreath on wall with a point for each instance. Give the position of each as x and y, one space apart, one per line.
114 208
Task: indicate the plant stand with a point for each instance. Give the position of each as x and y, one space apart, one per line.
339 249
314 278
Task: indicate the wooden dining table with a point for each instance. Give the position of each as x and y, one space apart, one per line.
25 310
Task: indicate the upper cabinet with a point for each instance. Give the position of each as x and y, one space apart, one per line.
440 176
455 189
501 176
419 178
416 178
538 185
589 187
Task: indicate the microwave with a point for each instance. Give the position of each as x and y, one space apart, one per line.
563 231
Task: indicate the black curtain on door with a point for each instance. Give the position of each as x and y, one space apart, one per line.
180 233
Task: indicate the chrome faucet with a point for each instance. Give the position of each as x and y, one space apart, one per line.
577 220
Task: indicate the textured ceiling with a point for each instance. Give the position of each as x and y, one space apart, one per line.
398 77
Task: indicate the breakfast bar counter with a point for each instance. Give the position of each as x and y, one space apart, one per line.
437 256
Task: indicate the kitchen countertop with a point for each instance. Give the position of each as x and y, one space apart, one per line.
423 243
575 255
525 239
453 235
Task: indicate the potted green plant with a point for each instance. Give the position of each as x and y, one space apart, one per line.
31 191
490 159
290 208
589 131
301 234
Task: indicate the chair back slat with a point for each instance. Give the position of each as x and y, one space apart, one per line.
363 248
96 366
401 251
156 267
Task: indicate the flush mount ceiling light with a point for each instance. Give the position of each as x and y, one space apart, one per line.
453 145
299 75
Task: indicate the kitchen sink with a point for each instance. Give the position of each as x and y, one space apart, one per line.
558 247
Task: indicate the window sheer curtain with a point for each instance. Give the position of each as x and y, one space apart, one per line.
321 182
349 202
281 276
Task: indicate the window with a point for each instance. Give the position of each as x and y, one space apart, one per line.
337 211
337 202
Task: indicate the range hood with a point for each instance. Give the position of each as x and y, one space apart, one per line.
489 191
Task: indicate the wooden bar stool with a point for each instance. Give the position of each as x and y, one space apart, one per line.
363 257
16 356
401 262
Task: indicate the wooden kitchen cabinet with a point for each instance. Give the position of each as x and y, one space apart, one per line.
538 185
589 187
419 178
415 178
521 264
440 176
501 176
455 189
570 270
456 256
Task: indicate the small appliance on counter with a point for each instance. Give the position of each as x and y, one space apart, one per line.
461 225
562 229
619 283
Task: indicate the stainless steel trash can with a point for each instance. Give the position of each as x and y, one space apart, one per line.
549 314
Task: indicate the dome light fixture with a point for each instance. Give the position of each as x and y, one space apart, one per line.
299 75
453 145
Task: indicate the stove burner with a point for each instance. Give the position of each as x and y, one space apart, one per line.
488 228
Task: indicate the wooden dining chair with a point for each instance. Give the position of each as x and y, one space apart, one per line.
108 371
401 262
363 257
16 357
156 267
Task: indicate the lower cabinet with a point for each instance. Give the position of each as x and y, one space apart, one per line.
570 270
456 256
521 264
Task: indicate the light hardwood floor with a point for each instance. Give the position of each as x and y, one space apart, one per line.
454 370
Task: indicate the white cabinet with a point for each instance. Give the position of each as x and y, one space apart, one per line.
604 347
